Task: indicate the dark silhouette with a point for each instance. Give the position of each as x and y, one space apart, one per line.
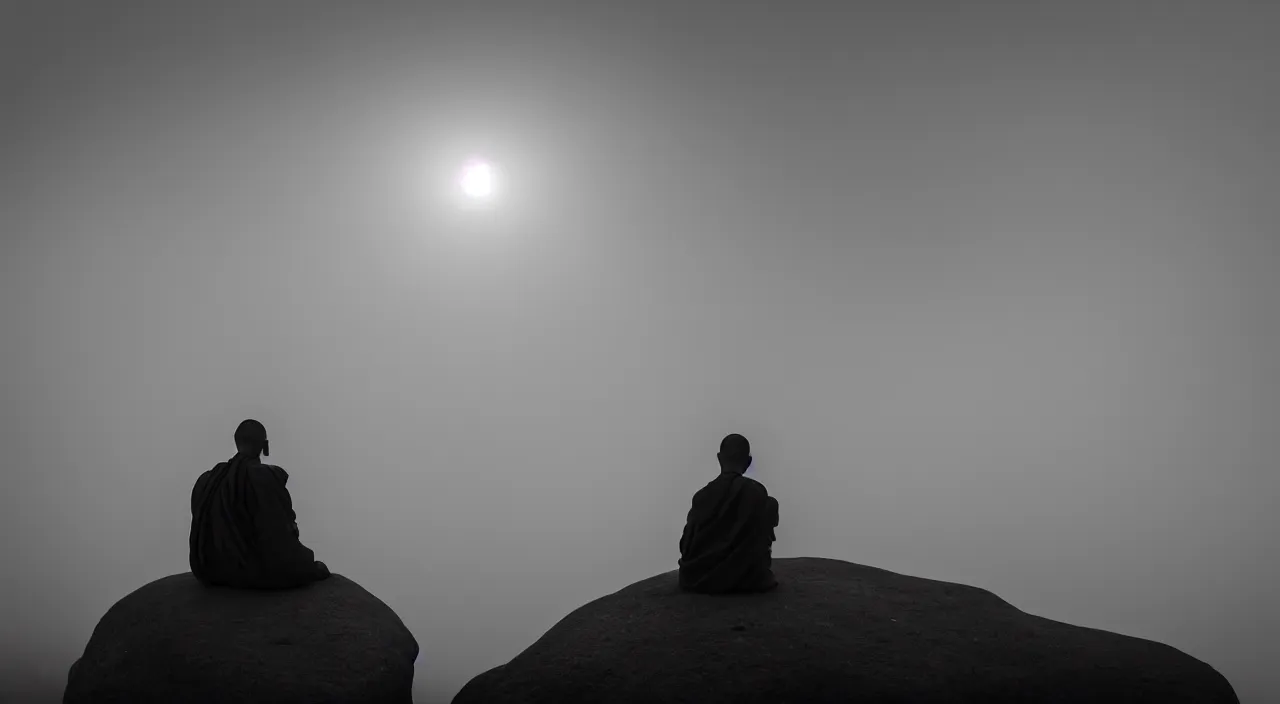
244 532
728 538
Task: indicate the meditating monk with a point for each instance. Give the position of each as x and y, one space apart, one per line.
728 539
244 532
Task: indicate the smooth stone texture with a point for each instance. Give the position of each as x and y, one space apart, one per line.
834 631
174 640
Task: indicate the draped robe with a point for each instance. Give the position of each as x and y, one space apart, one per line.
244 532
728 538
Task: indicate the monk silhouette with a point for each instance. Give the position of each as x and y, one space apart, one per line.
728 539
244 532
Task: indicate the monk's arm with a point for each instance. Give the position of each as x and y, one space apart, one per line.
198 491
293 517
761 501
686 535
276 526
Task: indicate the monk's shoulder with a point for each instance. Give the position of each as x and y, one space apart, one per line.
203 479
755 486
209 472
714 488
269 473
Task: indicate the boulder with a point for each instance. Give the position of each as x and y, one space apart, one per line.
835 632
175 640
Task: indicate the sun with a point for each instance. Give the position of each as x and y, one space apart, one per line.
478 181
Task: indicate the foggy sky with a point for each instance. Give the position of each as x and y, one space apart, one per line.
990 287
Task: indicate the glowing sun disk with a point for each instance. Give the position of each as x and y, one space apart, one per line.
477 180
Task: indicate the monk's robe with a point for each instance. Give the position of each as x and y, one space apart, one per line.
728 539
244 532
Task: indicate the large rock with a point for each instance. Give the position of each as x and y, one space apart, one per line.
836 632
174 640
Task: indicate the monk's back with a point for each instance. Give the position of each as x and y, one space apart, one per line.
243 531
728 537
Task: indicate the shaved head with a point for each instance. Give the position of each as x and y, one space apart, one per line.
251 437
735 453
735 447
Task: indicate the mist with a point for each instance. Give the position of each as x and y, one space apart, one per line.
990 287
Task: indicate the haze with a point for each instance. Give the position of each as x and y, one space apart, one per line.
989 286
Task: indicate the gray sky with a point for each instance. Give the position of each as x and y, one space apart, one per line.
990 287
